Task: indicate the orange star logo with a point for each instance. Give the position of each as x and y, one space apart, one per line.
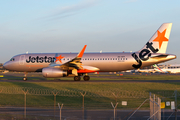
161 38
59 59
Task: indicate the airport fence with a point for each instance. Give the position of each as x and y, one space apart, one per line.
77 99
73 93
77 93
45 97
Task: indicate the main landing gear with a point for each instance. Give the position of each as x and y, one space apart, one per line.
78 78
86 78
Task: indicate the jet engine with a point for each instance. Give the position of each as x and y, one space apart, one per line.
53 72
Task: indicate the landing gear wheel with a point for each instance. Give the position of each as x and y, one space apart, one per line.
86 78
24 78
77 78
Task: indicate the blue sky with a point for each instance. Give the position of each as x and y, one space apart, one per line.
67 25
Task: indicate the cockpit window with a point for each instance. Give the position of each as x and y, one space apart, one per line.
12 59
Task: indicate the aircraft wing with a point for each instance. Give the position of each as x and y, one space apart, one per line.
75 63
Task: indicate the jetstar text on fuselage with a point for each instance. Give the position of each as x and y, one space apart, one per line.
38 59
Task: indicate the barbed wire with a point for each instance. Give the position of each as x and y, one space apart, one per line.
76 93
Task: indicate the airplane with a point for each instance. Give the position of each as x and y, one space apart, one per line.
146 70
154 70
168 69
56 65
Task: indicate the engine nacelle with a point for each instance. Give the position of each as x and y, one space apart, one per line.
53 72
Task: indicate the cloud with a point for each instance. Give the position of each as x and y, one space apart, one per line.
71 9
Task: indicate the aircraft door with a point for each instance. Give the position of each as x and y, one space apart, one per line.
21 60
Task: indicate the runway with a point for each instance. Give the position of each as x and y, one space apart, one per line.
103 78
100 81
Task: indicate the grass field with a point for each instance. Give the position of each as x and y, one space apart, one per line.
98 95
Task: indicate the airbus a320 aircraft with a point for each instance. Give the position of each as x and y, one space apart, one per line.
54 65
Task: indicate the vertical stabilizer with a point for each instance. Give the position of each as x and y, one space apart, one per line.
159 41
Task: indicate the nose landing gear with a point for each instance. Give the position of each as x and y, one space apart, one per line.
25 76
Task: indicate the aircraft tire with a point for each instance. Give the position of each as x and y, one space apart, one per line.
24 78
77 78
86 78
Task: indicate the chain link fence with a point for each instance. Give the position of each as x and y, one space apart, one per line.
73 99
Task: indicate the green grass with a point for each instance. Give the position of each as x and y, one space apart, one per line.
98 94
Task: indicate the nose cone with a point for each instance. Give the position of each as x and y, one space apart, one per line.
6 65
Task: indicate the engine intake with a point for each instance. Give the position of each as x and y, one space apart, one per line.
53 72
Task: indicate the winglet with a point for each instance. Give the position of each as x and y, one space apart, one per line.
82 52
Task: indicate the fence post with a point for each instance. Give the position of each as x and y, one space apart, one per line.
25 103
159 108
175 94
155 108
114 109
54 101
154 99
115 100
151 104
60 107
83 104
163 109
